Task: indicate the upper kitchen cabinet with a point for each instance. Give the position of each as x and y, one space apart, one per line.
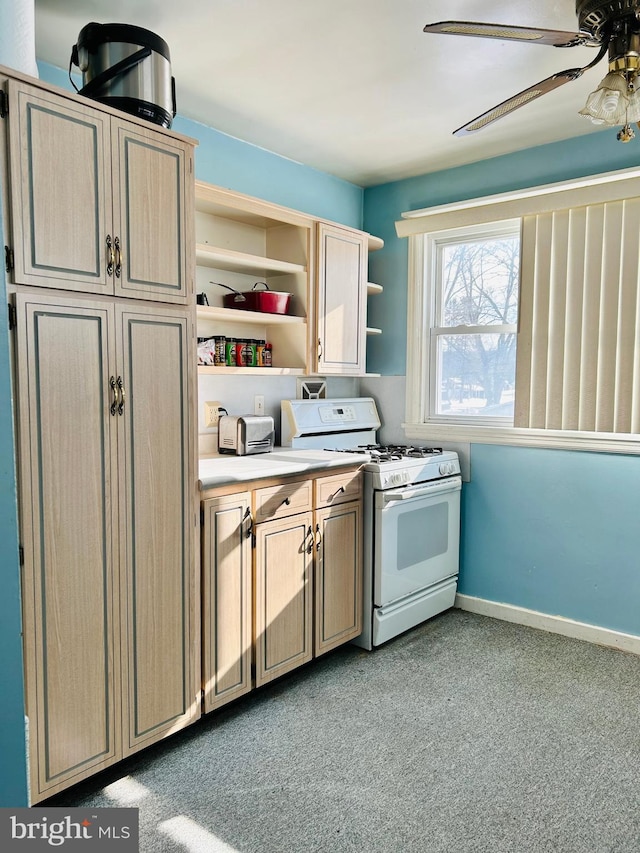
97 203
342 289
242 240
342 300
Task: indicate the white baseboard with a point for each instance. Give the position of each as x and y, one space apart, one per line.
553 624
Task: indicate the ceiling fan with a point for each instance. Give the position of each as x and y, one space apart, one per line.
612 26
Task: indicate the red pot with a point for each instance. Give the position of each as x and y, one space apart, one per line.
267 301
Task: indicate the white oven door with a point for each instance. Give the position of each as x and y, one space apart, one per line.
417 537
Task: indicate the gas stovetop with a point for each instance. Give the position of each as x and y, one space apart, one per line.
380 453
400 465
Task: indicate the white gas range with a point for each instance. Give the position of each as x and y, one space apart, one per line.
411 513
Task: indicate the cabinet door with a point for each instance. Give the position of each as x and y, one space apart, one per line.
152 212
342 264
59 154
338 575
283 590
227 599
66 462
157 477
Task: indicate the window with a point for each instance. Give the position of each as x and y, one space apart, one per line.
474 276
524 317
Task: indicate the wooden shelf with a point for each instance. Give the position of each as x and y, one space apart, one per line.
229 259
250 371
375 243
257 318
372 331
229 204
373 288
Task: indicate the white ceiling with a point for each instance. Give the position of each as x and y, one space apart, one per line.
351 87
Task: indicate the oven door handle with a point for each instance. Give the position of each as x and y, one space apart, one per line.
451 484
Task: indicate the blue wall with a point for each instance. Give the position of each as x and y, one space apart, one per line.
549 530
555 531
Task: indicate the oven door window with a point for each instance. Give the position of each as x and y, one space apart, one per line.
416 543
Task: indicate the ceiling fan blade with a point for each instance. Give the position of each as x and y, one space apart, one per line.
519 100
533 35
529 94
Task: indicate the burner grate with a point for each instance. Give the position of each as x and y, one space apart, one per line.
393 452
387 452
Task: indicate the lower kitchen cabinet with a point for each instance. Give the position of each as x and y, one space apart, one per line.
306 591
226 598
284 566
338 579
106 468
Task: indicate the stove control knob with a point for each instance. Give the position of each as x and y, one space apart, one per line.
443 468
397 478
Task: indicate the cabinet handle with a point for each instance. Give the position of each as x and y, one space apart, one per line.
119 257
120 385
337 492
110 256
286 502
247 515
309 544
114 389
319 348
318 537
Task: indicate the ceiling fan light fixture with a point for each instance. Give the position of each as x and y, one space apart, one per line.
609 103
633 110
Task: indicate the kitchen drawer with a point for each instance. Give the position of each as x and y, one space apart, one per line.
286 499
338 488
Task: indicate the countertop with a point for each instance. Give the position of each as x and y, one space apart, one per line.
280 462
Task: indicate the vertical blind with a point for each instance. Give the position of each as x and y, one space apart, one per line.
578 359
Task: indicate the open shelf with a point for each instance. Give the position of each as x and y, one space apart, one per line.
233 261
372 331
237 315
373 288
222 370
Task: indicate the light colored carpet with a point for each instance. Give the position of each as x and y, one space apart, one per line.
466 734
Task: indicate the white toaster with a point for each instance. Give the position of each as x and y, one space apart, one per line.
245 434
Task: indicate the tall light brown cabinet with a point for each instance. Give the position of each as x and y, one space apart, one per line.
99 213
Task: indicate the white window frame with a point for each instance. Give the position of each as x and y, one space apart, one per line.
432 277
415 225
